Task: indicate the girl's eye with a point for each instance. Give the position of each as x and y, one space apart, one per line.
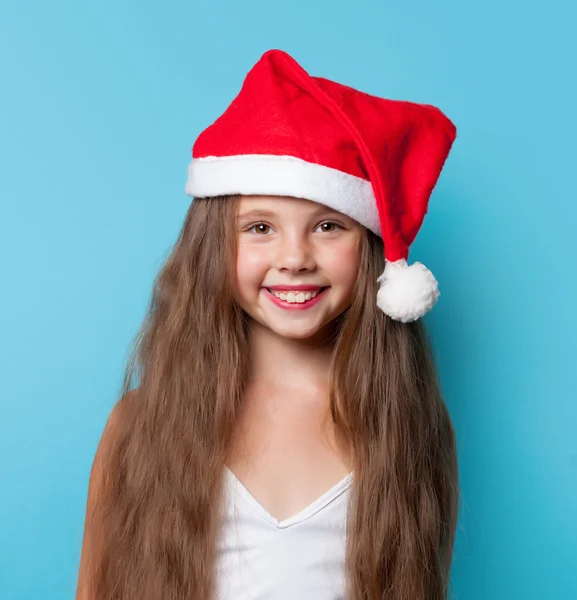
329 223
262 227
259 227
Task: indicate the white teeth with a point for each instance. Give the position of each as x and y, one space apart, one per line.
293 297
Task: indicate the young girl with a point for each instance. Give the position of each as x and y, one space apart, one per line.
287 438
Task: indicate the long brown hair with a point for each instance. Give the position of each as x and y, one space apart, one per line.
158 520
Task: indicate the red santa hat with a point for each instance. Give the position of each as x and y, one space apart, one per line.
376 160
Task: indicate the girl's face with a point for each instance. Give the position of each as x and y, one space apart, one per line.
287 243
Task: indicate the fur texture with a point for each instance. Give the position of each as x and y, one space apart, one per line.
406 293
278 175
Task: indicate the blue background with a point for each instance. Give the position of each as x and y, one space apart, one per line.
100 104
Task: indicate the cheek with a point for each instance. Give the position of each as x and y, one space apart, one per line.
251 266
342 265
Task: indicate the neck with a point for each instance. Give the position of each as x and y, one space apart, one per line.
288 363
289 381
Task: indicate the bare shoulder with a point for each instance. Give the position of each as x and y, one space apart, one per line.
117 420
120 414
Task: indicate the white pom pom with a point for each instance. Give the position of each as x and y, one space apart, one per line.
406 293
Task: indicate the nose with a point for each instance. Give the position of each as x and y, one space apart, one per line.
295 254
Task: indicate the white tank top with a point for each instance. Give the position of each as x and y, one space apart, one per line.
298 558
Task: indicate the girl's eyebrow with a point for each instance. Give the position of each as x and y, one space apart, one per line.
257 212
263 212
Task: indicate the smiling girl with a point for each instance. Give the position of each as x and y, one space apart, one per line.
281 432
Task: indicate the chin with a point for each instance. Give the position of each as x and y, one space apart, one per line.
294 333
303 336
300 333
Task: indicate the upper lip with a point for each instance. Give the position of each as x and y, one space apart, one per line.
300 288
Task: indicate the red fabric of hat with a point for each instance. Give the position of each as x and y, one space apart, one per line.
376 160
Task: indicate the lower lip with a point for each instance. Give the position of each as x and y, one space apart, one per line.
296 305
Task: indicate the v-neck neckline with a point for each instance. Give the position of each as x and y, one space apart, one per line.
307 512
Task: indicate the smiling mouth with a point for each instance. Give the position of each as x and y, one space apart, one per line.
296 296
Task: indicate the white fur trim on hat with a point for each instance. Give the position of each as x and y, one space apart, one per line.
280 175
406 293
